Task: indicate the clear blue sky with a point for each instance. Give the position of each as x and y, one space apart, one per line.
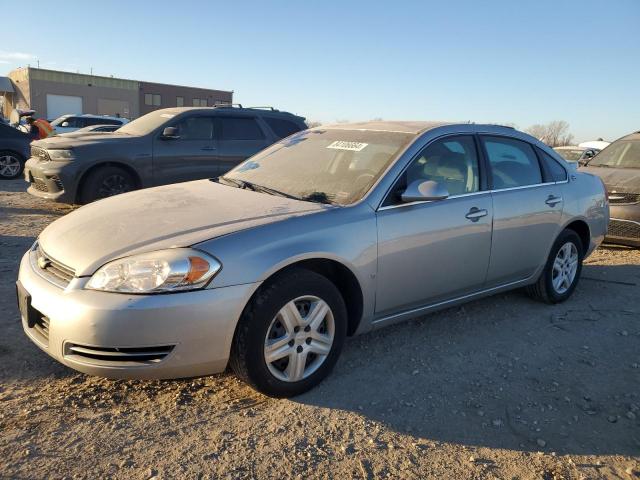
496 61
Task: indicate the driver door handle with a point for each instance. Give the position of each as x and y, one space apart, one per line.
476 214
552 201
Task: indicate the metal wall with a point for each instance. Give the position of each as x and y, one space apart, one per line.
170 93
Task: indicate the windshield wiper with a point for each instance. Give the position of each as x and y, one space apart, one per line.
319 197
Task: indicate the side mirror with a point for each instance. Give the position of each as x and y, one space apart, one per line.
170 133
424 190
64 124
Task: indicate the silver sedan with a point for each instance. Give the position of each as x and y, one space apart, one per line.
329 233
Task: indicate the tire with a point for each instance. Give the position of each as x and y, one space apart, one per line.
106 182
545 290
11 165
263 323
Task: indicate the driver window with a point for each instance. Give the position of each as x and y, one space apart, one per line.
195 128
450 161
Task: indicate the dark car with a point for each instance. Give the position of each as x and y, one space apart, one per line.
165 146
14 150
619 167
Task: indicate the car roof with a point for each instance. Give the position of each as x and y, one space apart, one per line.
569 147
412 127
263 111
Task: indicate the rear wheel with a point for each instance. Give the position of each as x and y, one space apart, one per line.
106 182
290 335
562 270
11 165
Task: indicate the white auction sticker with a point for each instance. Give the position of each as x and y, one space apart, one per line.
344 145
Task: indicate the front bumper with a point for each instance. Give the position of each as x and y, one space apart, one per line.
51 180
133 336
624 227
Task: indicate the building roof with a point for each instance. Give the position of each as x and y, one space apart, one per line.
5 85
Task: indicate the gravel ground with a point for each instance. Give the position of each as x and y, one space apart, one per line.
501 388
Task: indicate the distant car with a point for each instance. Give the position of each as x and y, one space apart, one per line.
619 167
14 150
164 146
92 129
580 155
71 123
331 232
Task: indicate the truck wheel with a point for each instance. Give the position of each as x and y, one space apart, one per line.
11 165
562 271
290 335
106 182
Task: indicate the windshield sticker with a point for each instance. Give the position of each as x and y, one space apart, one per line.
167 115
344 145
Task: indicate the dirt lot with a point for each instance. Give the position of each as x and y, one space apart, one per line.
500 388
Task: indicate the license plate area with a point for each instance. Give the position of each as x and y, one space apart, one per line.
29 314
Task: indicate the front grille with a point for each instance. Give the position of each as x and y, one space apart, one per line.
624 198
40 185
40 153
624 229
51 269
41 327
117 356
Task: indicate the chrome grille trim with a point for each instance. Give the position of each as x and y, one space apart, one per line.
53 271
117 356
620 198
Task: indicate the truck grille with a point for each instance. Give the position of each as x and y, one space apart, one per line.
117 356
40 153
39 185
624 198
624 229
52 270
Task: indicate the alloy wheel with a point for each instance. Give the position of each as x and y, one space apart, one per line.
114 185
565 267
299 338
9 166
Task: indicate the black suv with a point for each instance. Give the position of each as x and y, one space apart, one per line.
165 146
14 149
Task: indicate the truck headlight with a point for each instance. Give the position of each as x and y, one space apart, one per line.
175 269
60 154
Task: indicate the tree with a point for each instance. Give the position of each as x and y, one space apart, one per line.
554 134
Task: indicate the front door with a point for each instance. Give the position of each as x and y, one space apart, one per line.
429 252
527 210
239 137
190 155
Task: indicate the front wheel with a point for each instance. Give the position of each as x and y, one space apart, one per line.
562 270
290 335
11 165
106 182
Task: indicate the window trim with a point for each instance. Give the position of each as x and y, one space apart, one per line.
483 161
482 177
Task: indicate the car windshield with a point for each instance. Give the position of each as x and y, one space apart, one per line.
573 155
148 123
621 154
321 165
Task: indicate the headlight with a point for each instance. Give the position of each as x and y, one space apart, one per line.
176 269
60 154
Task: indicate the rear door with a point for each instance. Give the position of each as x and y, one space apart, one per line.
527 209
191 155
239 137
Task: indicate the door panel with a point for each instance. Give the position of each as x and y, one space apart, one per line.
524 228
433 251
191 156
238 139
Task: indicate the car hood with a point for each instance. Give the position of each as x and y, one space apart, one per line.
621 180
64 141
176 215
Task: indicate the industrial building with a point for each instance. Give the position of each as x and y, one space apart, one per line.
52 93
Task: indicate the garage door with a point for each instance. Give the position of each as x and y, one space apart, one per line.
58 105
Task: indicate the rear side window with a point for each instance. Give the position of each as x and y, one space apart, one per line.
554 169
239 128
513 162
282 128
